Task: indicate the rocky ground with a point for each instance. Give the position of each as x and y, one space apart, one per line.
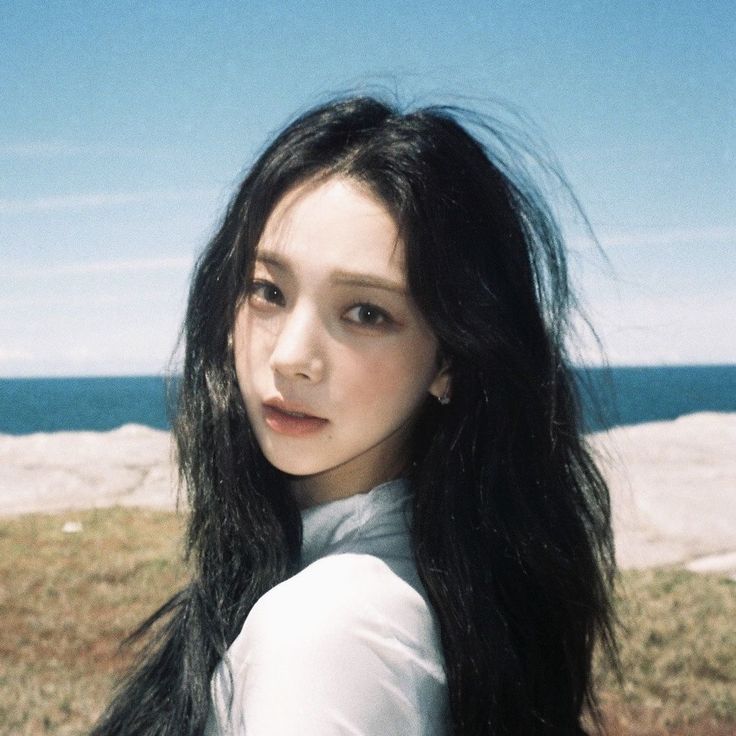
673 484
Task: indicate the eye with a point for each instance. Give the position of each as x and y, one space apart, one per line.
264 292
367 315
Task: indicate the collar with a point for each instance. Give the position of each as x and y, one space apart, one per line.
375 516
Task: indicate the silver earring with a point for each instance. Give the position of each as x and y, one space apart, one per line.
445 398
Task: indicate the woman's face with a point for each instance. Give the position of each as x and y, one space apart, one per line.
332 356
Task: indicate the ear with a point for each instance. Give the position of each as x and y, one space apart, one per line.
441 386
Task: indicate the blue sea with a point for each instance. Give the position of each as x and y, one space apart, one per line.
611 397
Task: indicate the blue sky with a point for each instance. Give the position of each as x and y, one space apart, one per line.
124 127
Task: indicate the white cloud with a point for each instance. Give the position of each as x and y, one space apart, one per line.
13 355
39 149
665 236
138 265
642 330
176 264
95 200
58 148
651 237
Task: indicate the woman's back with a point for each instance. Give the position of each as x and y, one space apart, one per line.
347 645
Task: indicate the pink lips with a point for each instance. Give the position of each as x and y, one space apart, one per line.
286 420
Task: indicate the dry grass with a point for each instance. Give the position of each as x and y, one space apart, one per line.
678 651
67 600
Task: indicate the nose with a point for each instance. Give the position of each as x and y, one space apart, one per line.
297 352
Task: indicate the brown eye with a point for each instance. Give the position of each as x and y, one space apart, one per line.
368 315
265 292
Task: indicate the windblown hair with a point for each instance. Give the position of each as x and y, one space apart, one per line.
511 521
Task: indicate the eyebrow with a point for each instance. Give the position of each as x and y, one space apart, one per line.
340 276
349 278
271 259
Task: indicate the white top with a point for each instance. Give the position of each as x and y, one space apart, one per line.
349 644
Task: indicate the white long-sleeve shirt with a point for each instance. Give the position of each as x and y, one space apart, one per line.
348 645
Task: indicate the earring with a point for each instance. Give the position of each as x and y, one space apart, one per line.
445 398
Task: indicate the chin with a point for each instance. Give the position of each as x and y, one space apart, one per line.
294 466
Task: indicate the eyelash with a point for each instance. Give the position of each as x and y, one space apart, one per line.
383 318
258 289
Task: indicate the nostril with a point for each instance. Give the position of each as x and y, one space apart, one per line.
297 364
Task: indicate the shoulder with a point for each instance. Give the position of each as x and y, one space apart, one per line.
353 645
335 598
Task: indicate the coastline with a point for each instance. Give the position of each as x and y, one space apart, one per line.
673 492
673 483
56 471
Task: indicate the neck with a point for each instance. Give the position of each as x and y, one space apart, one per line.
356 476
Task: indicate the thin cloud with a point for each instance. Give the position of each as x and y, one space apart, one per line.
112 266
95 200
183 263
668 236
42 149
11 355
61 148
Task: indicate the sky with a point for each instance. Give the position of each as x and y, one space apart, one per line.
125 126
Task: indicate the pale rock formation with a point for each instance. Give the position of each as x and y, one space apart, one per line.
673 483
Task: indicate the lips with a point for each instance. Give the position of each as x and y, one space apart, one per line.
290 419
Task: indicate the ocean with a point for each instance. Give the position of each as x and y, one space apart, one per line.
611 397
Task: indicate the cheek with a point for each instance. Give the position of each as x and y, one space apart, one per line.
395 380
242 371
241 357
250 349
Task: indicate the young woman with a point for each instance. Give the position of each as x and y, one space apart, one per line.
396 526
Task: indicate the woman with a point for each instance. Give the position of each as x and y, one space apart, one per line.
396 526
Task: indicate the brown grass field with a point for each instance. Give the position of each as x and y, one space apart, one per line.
68 599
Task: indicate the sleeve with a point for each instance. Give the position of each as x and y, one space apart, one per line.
343 649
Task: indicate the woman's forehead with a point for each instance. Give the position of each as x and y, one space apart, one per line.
333 222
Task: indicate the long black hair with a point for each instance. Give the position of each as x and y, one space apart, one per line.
511 521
